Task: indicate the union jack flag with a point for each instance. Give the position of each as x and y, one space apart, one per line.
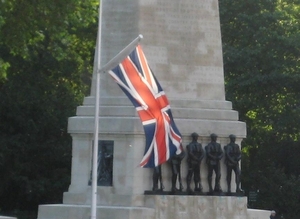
135 78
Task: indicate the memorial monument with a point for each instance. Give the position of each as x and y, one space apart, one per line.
182 42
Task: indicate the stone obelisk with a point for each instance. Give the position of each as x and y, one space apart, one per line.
182 42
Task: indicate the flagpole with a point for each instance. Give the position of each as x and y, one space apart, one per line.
121 55
96 128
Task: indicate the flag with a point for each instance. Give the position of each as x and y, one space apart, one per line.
137 81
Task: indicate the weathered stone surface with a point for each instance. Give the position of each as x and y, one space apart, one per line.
83 212
162 207
182 42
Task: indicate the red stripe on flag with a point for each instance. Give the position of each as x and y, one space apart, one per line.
144 65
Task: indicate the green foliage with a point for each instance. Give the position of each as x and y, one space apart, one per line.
62 28
46 49
261 63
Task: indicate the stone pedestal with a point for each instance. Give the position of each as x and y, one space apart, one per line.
182 42
162 207
122 125
83 212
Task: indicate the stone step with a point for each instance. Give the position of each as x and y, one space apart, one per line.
129 125
161 207
105 197
63 211
180 103
185 113
258 214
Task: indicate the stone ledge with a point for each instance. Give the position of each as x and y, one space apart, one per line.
179 113
61 211
192 193
133 125
5 217
180 103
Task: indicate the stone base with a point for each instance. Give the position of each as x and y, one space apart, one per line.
194 207
162 207
61 211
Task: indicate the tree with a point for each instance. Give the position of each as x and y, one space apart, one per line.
46 51
261 56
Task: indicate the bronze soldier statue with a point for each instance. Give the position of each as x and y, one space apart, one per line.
176 170
214 154
232 158
195 154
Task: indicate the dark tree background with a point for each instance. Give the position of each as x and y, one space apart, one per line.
46 55
261 46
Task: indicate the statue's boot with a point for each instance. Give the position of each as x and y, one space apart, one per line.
188 185
218 187
198 187
217 183
228 186
174 189
162 187
181 188
238 189
155 183
210 185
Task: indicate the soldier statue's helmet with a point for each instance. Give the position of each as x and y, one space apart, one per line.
213 135
194 135
232 136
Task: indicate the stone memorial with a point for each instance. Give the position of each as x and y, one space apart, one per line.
182 42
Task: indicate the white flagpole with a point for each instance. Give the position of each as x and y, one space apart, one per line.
96 128
121 55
